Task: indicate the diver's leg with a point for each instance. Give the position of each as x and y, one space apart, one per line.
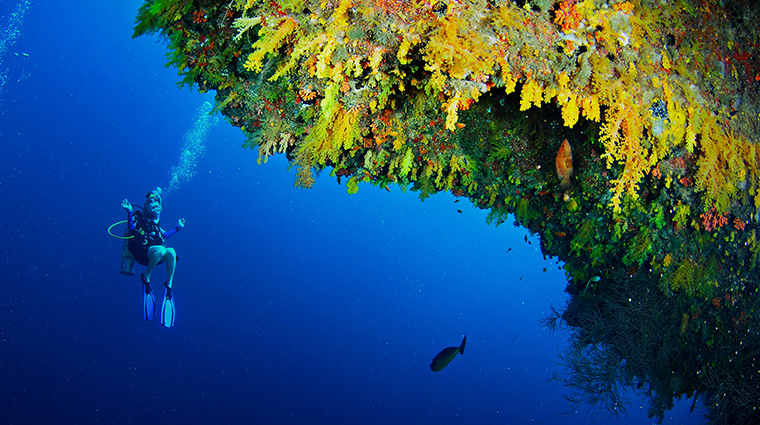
171 261
155 254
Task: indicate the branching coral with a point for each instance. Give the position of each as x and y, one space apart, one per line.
200 16
712 220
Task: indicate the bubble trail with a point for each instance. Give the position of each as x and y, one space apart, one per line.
193 148
9 35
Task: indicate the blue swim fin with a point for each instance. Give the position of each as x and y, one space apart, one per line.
149 302
167 309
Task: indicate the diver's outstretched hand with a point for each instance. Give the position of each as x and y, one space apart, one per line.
181 223
126 205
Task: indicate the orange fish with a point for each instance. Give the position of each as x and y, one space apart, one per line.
564 164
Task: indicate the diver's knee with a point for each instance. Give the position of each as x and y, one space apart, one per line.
171 252
157 250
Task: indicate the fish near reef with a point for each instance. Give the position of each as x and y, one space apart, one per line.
564 164
447 355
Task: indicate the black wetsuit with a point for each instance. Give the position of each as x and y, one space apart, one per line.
146 233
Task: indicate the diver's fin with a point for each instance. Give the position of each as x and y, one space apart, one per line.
167 309
149 302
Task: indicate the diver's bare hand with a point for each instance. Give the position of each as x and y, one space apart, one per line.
126 205
181 223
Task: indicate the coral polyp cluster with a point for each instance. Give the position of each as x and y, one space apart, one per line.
568 16
657 100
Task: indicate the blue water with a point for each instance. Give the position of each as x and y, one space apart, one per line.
293 306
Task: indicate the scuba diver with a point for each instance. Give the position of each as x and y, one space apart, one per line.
146 244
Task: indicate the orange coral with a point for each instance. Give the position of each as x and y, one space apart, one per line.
656 171
739 224
568 16
200 16
307 93
711 220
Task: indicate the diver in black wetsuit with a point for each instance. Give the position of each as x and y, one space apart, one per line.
147 246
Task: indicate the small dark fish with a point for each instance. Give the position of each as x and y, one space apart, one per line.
510 249
447 355
521 277
456 200
526 238
459 211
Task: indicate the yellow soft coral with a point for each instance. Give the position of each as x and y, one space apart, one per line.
269 41
570 111
590 106
621 135
625 7
244 24
531 94
713 173
339 15
303 48
451 112
334 132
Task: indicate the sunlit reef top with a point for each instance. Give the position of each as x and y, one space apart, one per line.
655 197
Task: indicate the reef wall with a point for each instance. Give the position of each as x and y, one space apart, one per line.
653 203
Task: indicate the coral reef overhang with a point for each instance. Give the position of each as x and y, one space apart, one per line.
655 200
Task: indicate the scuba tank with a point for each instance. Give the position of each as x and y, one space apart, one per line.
127 259
127 267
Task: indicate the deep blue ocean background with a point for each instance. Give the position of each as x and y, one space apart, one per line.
293 306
